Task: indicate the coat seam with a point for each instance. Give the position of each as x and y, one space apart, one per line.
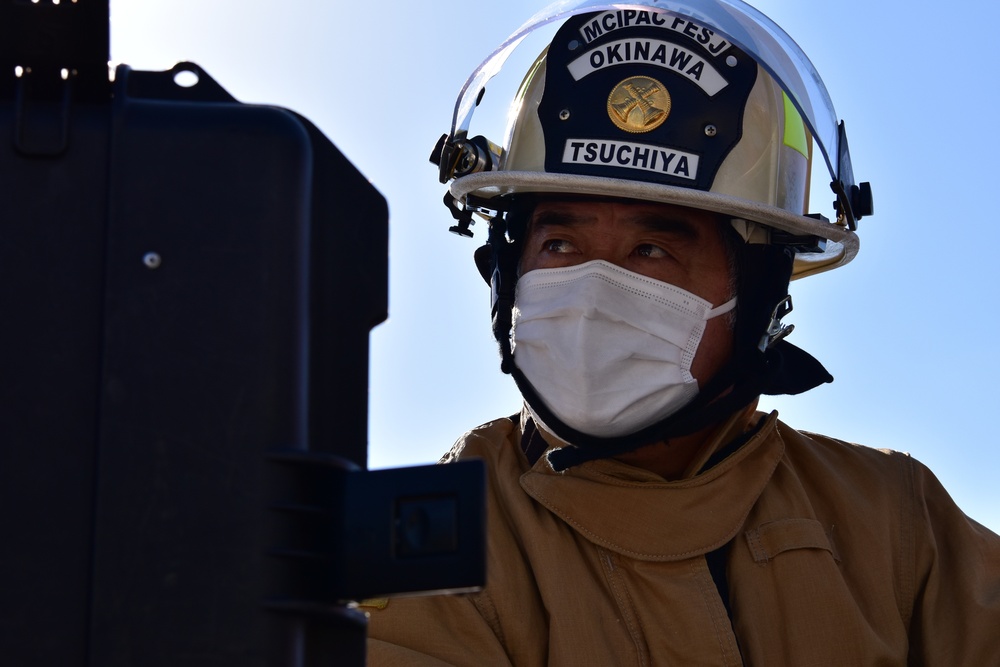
483 602
907 543
710 595
625 605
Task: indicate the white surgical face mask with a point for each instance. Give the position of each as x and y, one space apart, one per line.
608 351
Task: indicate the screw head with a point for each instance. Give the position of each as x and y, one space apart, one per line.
711 130
152 260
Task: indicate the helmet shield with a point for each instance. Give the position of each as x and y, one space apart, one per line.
732 20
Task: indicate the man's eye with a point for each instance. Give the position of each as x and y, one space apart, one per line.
651 251
558 245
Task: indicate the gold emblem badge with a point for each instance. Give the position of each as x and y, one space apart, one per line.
375 603
639 104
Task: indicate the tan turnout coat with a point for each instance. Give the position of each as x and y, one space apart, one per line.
839 555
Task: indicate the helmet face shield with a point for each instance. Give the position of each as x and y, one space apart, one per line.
702 103
730 20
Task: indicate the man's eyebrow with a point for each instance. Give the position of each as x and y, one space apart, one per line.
650 220
550 217
656 222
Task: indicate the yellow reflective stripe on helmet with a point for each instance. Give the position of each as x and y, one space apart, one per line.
795 129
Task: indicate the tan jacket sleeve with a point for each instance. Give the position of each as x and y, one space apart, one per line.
434 631
956 601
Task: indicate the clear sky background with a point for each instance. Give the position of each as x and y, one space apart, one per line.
909 329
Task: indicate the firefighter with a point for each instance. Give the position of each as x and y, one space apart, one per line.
646 212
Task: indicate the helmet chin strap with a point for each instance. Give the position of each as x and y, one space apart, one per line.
780 368
721 397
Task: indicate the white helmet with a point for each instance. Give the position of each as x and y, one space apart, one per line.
700 103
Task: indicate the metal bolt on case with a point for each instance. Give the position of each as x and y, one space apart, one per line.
152 260
564 114
711 130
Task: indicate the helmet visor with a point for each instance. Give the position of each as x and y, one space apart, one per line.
734 20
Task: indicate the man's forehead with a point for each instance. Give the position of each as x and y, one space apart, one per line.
577 210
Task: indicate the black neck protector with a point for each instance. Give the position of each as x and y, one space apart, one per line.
780 368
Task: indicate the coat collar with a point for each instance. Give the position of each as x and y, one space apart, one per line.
638 514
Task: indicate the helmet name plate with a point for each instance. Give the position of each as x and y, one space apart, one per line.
628 155
607 22
655 52
639 77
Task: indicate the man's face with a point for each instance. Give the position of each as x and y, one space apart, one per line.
676 245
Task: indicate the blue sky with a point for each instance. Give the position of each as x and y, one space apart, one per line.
908 329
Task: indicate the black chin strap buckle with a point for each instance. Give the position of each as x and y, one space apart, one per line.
461 214
776 330
502 283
